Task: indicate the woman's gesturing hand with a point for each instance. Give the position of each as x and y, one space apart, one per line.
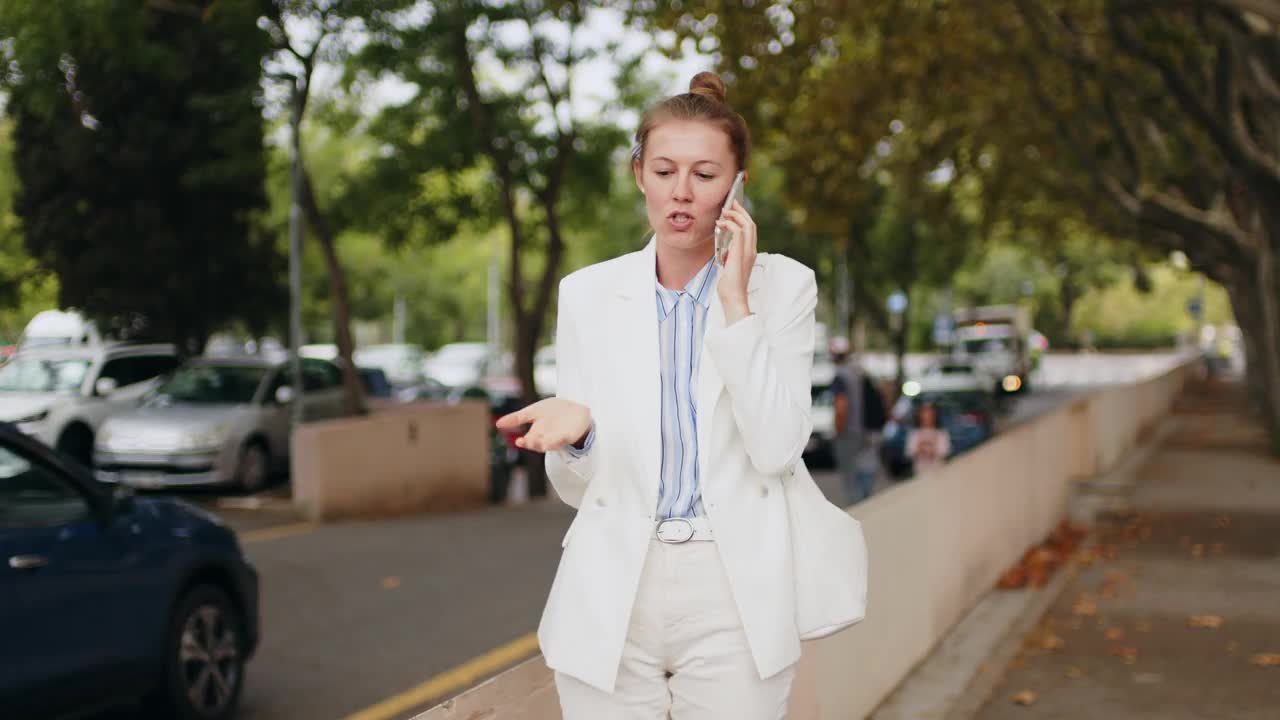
553 423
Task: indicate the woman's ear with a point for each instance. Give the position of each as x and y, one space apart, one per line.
638 171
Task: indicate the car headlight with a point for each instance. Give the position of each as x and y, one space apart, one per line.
103 438
37 417
204 439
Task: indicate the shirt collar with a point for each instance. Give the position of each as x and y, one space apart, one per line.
699 288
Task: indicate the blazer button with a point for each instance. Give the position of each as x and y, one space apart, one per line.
764 491
600 502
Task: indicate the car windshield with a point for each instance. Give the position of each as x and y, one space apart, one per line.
212 385
985 345
43 375
960 401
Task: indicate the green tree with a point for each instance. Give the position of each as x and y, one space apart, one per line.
1154 122
138 150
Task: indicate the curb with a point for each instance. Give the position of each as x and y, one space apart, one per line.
1093 497
991 672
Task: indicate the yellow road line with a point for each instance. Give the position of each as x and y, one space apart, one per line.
276 532
459 678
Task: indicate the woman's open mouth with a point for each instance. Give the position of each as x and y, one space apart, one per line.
680 221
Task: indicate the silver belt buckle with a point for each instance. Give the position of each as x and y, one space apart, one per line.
674 531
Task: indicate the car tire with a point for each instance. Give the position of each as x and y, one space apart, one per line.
76 442
253 469
204 658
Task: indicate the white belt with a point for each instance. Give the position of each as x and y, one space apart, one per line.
674 531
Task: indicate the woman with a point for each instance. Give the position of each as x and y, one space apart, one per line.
683 401
928 446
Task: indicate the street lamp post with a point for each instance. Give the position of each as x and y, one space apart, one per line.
295 250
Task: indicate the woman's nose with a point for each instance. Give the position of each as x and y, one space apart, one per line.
684 188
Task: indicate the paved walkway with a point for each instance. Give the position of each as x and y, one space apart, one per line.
1175 613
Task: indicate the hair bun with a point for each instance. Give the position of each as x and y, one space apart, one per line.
708 85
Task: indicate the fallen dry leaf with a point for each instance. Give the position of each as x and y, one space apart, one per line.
1115 633
1222 521
1074 672
1109 591
390 583
1026 697
1142 626
1265 660
1185 541
1218 548
1213 622
1085 606
1123 651
1232 647
1197 550
1052 642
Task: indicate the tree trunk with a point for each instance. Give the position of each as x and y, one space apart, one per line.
1267 330
353 400
1067 303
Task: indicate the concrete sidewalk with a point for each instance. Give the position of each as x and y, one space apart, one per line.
1175 610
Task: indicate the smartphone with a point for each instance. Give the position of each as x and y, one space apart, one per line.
724 237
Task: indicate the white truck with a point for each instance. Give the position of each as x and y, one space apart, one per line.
994 339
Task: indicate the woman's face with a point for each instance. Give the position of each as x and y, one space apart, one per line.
685 175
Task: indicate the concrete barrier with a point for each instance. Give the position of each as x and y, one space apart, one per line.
937 545
408 458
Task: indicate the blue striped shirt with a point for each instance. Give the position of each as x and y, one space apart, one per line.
682 319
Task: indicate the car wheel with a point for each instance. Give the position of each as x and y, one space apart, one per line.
204 658
76 442
254 467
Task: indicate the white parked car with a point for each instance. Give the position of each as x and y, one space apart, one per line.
544 370
58 328
62 394
461 364
216 421
950 375
402 364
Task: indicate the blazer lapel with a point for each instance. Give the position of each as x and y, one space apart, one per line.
710 383
635 343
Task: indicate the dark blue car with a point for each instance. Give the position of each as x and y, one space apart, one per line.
107 599
968 418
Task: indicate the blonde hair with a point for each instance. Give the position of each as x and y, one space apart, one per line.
705 102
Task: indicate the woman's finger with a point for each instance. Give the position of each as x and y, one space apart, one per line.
514 420
752 233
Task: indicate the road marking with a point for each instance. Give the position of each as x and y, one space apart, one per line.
276 532
459 678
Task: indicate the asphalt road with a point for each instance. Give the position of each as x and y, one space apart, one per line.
357 613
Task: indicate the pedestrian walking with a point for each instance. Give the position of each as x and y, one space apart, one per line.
859 417
681 414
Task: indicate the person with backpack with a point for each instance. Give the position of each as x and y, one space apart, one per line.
859 418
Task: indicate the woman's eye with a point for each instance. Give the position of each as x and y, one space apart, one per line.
705 176
662 173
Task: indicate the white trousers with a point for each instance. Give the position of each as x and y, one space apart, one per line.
686 655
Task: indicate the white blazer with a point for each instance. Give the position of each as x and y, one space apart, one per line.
753 400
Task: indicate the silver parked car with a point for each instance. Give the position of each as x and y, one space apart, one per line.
216 421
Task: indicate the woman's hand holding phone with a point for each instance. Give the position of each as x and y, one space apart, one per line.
736 273
553 423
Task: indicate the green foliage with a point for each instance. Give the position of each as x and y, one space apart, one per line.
138 146
25 288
